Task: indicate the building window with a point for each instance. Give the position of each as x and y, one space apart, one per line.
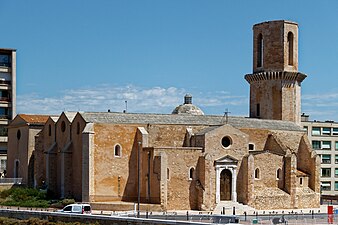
251 147
336 159
336 186
326 131
260 50
4 113
257 173
335 172
305 128
5 60
315 131
168 174
3 131
326 145
316 144
336 145
334 131
3 163
117 150
301 181
326 186
63 126
191 173
326 172
278 174
326 159
226 141
18 134
290 45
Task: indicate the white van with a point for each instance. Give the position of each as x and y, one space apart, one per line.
77 208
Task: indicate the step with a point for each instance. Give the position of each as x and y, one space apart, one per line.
229 206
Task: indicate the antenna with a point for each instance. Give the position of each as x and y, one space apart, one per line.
226 115
126 102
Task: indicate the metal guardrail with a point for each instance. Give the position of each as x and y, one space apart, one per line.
10 180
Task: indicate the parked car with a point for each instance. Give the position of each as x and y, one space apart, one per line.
77 208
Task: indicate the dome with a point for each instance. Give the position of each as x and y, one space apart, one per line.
187 107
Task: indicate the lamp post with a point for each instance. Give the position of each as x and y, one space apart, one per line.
138 179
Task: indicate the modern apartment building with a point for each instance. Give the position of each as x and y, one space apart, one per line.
7 98
324 138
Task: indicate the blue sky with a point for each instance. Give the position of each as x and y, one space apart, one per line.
94 55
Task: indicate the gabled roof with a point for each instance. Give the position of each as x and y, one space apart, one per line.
168 119
70 115
34 119
30 120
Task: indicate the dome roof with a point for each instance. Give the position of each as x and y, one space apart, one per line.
187 107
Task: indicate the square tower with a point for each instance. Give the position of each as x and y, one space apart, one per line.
7 98
275 83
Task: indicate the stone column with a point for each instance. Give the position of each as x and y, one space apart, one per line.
234 184
218 177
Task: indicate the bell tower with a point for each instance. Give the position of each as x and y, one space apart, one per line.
275 84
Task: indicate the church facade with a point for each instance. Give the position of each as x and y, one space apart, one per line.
188 160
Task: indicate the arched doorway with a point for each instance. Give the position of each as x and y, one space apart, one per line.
225 183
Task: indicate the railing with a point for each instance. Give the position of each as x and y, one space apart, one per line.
10 180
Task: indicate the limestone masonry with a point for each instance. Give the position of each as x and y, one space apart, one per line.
187 160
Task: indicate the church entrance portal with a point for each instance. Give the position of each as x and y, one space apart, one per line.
225 183
226 179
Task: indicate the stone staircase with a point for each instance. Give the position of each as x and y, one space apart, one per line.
228 208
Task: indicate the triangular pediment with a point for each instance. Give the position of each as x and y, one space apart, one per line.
226 160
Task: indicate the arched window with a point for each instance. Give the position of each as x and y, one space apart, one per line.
278 174
18 134
191 173
117 150
257 176
290 46
78 128
16 169
63 126
260 50
49 130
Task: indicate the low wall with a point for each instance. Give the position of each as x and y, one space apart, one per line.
102 220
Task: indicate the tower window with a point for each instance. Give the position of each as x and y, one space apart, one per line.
290 46
251 147
278 175
258 110
256 173
260 48
191 173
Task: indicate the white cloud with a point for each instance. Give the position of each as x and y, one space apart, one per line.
139 99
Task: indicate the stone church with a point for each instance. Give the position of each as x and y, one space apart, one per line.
186 160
